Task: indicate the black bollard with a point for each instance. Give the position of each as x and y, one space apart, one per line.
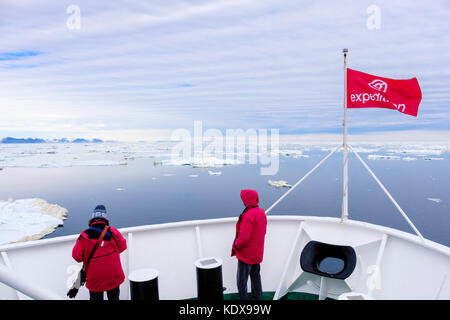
144 284
209 279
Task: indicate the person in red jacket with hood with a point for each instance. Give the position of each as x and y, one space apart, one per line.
248 245
104 271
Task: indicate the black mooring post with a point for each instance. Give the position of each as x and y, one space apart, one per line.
209 279
144 284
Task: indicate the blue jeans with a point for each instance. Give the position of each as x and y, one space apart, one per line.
243 271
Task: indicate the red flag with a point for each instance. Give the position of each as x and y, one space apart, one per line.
368 91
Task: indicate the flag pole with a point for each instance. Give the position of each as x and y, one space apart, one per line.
344 215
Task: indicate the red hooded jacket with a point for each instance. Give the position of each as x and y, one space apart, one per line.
105 270
248 245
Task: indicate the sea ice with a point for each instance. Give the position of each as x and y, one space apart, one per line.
201 162
28 219
291 152
297 156
381 157
419 150
56 155
279 184
437 200
214 173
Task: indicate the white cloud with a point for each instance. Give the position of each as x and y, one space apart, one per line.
139 65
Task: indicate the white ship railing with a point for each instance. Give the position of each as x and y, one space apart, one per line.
344 216
410 268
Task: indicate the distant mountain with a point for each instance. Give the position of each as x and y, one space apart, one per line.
80 140
22 140
37 140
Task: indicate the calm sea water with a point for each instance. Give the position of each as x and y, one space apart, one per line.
151 194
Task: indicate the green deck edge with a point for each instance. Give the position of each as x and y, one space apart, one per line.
268 295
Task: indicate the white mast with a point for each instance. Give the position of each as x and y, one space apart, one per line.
344 215
346 147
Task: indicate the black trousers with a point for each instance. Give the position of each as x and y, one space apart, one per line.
112 294
245 270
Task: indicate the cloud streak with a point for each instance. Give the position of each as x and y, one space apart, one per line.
157 66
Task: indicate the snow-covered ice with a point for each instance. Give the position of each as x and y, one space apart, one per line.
57 155
297 156
201 162
295 153
28 219
382 157
290 152
279 184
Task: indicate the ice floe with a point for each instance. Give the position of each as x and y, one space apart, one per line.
291 152
279 184
437 200
69 155
58 155
202 162
297 156
431 148
214 173
28 219
382 157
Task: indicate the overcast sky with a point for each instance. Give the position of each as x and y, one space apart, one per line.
139 69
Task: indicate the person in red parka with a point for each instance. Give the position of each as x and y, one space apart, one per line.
248 245
104 271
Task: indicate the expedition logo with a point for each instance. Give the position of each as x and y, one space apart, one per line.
368 91
378 85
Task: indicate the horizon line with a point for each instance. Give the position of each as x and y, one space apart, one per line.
377 136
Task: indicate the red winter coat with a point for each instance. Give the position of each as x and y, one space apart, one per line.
105 270
251 228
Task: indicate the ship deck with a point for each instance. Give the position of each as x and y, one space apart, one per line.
390 263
